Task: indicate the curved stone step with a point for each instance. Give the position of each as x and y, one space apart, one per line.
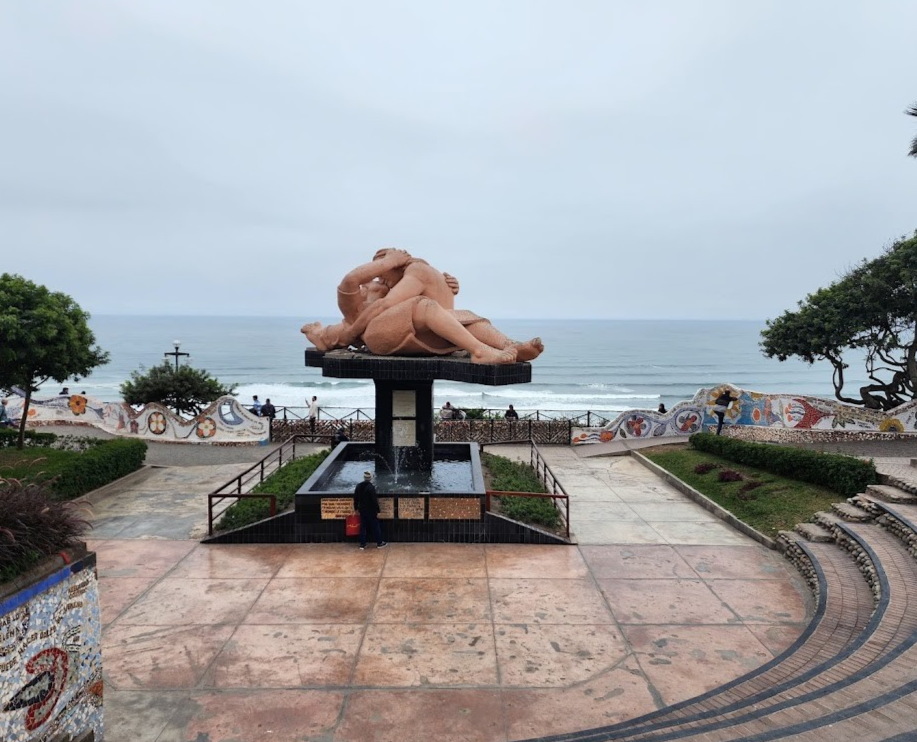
876 672
890 493
850 512
814 532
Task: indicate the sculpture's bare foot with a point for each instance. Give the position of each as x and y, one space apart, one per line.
313 331
492 355
529 350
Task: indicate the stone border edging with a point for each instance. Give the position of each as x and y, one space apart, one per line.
705 502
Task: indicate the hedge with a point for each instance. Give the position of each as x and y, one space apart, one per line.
843 474
9 437
98 466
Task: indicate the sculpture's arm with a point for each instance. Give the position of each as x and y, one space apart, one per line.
349 301
407 288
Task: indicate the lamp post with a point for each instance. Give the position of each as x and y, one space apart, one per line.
176 353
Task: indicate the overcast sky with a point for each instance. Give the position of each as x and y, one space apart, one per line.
563 159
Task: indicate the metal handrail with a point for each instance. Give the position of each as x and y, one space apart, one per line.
588 418
564 516
246 479
544 473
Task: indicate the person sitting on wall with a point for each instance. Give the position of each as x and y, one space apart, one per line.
340 437
65 392
720 405
661 409
447 413
511 414
255 409
268 410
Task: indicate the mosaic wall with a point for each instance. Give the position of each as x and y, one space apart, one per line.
50 657
775 411
224 421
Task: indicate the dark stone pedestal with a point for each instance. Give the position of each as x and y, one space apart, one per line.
404 394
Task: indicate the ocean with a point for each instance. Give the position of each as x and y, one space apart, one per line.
604 366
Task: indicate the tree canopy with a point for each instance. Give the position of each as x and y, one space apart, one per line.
43 335
872 309
185 390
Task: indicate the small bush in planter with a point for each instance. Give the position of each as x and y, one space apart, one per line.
33 525
707 466
729 475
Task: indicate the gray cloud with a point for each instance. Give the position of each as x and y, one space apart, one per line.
684 159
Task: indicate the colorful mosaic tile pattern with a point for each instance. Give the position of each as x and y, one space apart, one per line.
756 409
224 421
50 658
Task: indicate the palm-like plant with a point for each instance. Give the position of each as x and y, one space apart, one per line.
912 111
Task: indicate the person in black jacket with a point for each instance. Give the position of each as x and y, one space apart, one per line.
366 501
720 406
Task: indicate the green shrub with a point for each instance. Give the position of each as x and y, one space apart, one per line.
845 475
99 465
9 437
33 526
283 483
515 476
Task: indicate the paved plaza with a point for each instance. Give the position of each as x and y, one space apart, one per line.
658 602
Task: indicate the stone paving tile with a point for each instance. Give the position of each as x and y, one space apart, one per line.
332 560
284 656
508 560
712 533
252 716
627 532
177 602
534 601
777 639
684 512
684 661
637 562
448 560
556 655
665 602
450 654
341 600
117 593
762 601
431 600
745 561
160 657
139 716
242 561
404 716
619 693
138 558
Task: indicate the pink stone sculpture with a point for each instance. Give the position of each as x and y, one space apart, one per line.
401 305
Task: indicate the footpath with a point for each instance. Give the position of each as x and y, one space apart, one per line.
658 601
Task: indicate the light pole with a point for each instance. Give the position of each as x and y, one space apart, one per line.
176 353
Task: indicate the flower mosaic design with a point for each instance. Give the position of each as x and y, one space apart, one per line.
891 425
135 427
206 428
156 423
77 404
637 426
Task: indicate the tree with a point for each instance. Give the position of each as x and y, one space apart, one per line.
43 335
873 309
912 111
186 390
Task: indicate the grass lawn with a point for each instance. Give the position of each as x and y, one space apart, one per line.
34 464
776 504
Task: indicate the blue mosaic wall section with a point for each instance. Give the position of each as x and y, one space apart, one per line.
757 409
50 657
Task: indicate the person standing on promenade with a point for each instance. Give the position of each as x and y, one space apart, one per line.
268 410
720 405
366 501
5 421
447 413
256 406
313 414
511 414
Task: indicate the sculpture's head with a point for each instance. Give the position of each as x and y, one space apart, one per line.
390 276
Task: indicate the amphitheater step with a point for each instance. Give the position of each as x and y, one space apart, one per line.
814 532
827 520
888 493
850 512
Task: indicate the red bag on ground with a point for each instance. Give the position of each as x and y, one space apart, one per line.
352 524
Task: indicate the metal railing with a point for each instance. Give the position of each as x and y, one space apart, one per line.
551 483
587 419
240 486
